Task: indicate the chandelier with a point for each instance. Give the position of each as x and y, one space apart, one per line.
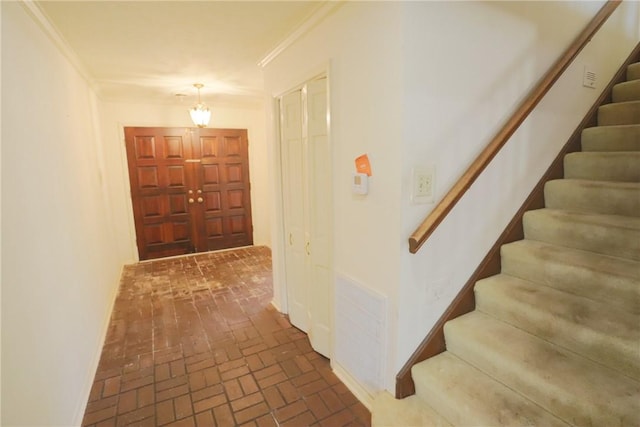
200 113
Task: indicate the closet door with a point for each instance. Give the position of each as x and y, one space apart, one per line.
320 216
307 196
295 209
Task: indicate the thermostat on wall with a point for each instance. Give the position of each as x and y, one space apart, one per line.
360 183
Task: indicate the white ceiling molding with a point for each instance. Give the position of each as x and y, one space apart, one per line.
314 19
33 9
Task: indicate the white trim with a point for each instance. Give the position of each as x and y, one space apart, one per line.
126 182
91 375
275 207
41 18
279 199
323 73
358 390
275 305
317 16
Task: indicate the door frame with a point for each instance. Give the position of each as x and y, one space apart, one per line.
280 297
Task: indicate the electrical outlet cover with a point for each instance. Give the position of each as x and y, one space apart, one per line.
423 185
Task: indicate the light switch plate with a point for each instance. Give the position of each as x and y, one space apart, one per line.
360 183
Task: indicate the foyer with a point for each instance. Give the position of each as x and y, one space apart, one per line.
194 341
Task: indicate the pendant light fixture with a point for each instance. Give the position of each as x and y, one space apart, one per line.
200 113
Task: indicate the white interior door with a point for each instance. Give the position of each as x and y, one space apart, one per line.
320 216
307 196
295 212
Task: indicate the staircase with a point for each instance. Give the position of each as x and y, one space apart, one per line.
555 338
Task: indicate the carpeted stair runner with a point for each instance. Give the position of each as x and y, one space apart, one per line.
555 337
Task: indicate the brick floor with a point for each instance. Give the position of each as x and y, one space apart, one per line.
193 341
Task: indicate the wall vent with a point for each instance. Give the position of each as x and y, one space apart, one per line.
360 333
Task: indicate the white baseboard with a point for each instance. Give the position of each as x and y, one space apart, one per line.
359 391
276 306
91 374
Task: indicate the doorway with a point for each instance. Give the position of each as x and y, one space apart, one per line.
307 210
190 189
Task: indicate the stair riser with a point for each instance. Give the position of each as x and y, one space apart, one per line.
613 138
628 91
549 376
588 279
584 196
627 113
531 315
598 238
620 167
633 72
410 412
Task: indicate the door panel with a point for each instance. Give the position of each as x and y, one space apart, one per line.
158 187
223 178
180 192
320 224
294 209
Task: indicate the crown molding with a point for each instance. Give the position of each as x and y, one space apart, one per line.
317 16
43 21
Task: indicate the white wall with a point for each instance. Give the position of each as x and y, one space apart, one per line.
358 44
115 115
60 264
463 78
428 84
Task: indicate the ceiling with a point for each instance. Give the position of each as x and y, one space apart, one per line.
149 51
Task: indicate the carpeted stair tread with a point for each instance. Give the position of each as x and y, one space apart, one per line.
613 235
626 91
610 280
633 71
603 197
466 396
621 166
608 337
611 138
619 113
579 391
408 412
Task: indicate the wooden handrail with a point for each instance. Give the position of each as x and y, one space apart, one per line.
431 222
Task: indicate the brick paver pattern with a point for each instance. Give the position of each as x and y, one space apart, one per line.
193 341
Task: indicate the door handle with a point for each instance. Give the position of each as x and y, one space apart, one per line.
200 200
191 200
306 248
199 191
290 239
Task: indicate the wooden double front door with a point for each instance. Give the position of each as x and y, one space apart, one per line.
190 189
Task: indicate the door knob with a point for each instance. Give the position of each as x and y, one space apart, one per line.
191 200
190 191
200 200
199 191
